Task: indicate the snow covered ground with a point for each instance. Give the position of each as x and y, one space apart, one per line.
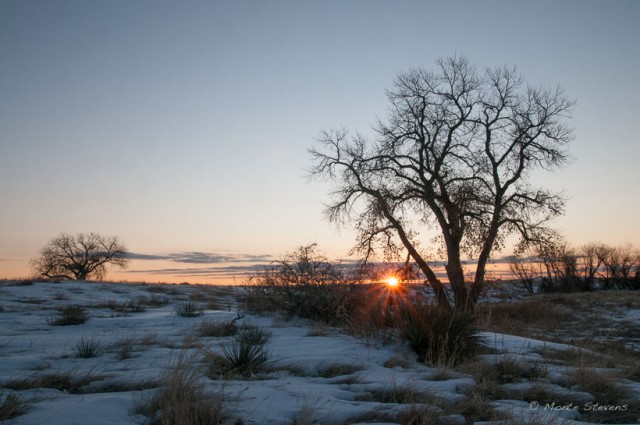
99 372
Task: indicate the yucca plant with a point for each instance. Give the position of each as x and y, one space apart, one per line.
253 335
245 356
87 348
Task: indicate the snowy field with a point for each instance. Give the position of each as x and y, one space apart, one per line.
104 370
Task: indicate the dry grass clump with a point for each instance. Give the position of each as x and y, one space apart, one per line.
318 329
62 381
69 316
189 309
182 398
398 394
307 413
397 361
437 335
218 328
11 406
60 296
154 300
23 282
31 300
489 376
124 348
338 369
476 408
420 414
573 357
129 306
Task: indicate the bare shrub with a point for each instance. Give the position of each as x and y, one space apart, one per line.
305 284
69 315
619 264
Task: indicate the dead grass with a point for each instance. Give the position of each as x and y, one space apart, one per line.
69 316
307 413
154 300
189 309
11 406
124 348
490 375
476 408
182 398
338 369
68 381
419 414
397 361
218 328
603 385
531 317
576 318
126 307
404 394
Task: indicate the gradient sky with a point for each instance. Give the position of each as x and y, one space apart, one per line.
183 126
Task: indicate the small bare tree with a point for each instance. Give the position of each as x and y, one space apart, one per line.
80 256
559 266
454 155
526 270
618 266
305 283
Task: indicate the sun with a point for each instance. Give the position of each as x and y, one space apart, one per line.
392 281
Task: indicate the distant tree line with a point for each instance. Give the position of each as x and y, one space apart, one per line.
558 267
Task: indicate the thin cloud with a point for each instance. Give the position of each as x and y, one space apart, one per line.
196 257
204 271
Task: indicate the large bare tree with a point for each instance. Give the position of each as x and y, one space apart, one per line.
80 256
455 154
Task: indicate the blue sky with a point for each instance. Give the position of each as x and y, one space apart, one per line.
183 127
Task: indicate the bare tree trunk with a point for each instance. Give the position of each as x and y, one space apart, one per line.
456 279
